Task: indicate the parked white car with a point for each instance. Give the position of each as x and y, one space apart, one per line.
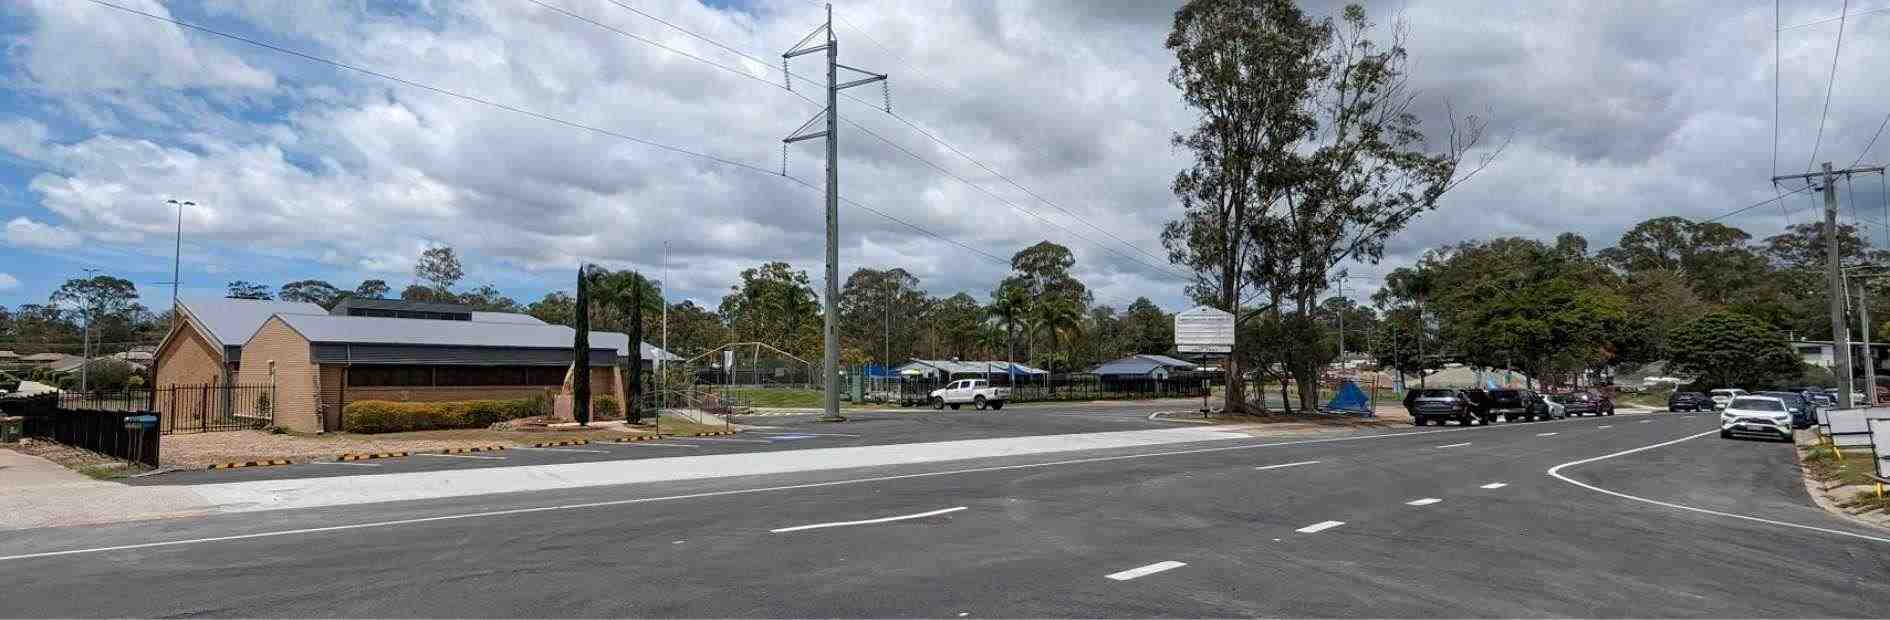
1552 410
1723 396
975 392
1762 416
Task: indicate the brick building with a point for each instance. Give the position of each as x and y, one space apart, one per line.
375 349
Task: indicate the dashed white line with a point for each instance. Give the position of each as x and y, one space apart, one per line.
1319 527
816 526
1495 485
1295 464
1455 445
1605 426
1145 571
1647 421
464 456
1423 502
1546 434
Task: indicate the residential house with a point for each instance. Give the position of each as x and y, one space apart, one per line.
1143 367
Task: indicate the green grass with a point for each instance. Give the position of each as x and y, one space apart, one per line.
109 471
1853 469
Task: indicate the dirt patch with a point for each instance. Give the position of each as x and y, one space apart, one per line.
1842 484
205 449
79 459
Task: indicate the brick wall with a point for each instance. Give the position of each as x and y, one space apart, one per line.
188 359
296 376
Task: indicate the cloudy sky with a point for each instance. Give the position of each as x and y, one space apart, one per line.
1615 111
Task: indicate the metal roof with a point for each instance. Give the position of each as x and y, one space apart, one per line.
377 303
422 332
1140 365
230 322
972 367
506 317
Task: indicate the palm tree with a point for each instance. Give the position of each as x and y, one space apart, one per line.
990 338
1062 321
1008 306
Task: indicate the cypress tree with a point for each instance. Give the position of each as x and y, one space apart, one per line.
581 352
635 390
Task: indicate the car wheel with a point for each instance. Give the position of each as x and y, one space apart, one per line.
938 403
978 403
1417 420
1725 434
996 405
1610 411
955 406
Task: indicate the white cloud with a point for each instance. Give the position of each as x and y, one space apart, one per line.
25 233
8 282
80 46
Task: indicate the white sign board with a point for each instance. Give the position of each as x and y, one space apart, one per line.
1204 330
1849 427
1880 445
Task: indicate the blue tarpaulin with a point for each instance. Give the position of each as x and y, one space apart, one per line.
1351 398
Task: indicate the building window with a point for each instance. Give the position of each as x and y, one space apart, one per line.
454 376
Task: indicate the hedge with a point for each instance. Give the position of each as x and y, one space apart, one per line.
382 416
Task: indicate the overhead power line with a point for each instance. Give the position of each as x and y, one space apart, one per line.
908 152
1829 84
1834 19
1755 205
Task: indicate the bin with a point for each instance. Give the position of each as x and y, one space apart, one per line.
10 427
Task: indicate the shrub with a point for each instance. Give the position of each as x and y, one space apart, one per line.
604 406
381 416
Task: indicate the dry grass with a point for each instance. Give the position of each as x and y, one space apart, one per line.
79 459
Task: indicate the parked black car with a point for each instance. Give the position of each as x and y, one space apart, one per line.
1816 395
1804 414
1511 405
1441 405
1689 401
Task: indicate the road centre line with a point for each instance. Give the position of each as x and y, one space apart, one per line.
664 498
1144 571
1283 465
464 456
1319 527
1494 485
1546 434
817 526
1423 502
1605 426
562 450
1647 421
1557 473
1455 445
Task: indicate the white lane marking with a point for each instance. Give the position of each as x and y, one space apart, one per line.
1295 464
1145 571
344 463
1647 421
561 450
667 498
1546 434
464 456
1319 527
813 434
817 526
1495 485
649 443
1423 502
1605 426
1456 445
1557 473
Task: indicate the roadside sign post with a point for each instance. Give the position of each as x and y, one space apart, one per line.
1205 330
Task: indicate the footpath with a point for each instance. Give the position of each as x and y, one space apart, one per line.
38 493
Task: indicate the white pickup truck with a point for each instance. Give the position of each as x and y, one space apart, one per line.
975 392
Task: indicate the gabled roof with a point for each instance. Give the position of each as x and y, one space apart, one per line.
333 329
506 317
230 322
1140 365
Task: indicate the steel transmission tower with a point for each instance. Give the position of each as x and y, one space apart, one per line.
824 36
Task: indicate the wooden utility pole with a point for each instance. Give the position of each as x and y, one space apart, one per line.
1834 278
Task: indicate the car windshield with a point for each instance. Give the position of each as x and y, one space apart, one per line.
1436 393
1506 393
1757 404
1561 398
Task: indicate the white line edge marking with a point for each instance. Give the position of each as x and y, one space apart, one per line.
1494 485
1546 434
816 526
561 450
1605 426
1281 465
1423 502
464 456
1647 421
1557 473
664 498
1144 571
1316 527
1456 445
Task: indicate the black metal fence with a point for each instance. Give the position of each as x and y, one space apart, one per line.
106 431
184 409
915 391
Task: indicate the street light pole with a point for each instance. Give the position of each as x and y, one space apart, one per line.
177 251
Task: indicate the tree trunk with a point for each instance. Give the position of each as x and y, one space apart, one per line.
1306 372
1235 399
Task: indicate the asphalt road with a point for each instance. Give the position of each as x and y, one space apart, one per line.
796 432
1325 527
